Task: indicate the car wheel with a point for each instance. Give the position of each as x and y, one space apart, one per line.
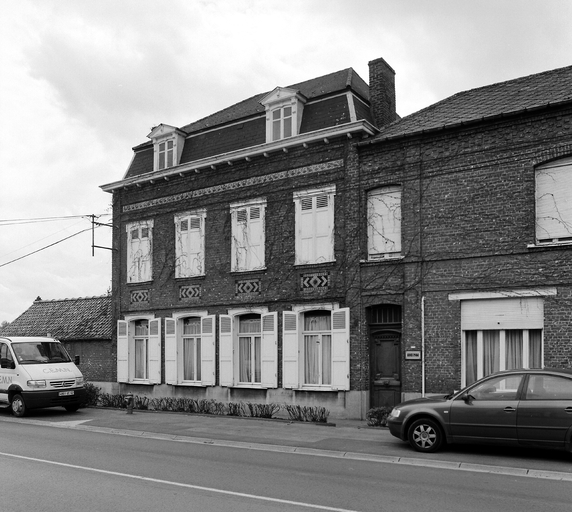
425 435
71 408
18 406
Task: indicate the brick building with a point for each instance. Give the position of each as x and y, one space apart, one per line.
307 246
83 325
483 276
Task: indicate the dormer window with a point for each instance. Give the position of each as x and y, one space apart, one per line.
168 144
284 108
166 150
281 123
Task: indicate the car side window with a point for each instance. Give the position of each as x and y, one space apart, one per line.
498 388
5 356
548 387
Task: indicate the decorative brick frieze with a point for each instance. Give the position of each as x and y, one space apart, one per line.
139 296
315 282
190 292
235 185
248 287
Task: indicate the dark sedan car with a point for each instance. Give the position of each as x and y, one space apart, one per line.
516 407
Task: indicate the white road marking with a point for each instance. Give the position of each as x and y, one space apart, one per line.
180 484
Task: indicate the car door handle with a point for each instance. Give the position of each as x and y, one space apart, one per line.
568 410
509 409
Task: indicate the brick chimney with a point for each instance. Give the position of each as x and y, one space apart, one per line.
382 92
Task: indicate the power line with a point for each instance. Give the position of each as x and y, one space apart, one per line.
46 247
11 222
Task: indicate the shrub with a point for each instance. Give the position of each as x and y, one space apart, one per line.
262 410
93 393
377 417
303 413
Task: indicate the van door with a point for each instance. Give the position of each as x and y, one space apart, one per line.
7 371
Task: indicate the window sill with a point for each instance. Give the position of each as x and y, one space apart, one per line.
252 271
141 382
319 265
387 259
317 388
190 384
563 243
247 386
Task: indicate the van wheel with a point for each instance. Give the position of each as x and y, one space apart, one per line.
71 408
425 435
18 406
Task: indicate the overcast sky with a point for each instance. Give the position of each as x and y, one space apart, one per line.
82 82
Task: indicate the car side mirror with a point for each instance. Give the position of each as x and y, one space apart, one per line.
468 398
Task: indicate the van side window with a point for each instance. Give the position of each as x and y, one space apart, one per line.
6 359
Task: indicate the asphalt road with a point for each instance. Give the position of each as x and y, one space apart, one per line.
56 469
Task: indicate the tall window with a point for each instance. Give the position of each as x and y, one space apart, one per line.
190 349
141 342
249 349
315 348
384 222
190 244
166 152
553 204
139 350
315 225
139 251
248 237
500 334
318 347
281 123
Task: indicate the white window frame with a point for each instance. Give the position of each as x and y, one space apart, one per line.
293 362
139 254
126 350
229 349
553 189
165 157
174 352
248 221
384 222
500 314
190 243
277 101
315 233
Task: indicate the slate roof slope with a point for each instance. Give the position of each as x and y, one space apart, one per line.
311 89
504 98
86 318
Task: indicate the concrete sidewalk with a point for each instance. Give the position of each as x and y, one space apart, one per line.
350 439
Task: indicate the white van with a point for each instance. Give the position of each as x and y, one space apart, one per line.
38 372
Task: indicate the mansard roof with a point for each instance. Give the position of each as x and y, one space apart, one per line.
532 92
242 125
86 318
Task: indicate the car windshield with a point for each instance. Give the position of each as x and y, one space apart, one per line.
40 352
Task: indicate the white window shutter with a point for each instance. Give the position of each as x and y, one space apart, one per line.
144 259
225 351
208 350
154 351
269 350
238 256
290 350
182 267
196 247
305 230
324 225
256 237
341 348
170 351
122 351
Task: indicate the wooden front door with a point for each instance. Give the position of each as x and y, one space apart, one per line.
385 368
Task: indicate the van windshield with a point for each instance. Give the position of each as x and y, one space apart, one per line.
40 352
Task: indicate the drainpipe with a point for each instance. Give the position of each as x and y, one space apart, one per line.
423 346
